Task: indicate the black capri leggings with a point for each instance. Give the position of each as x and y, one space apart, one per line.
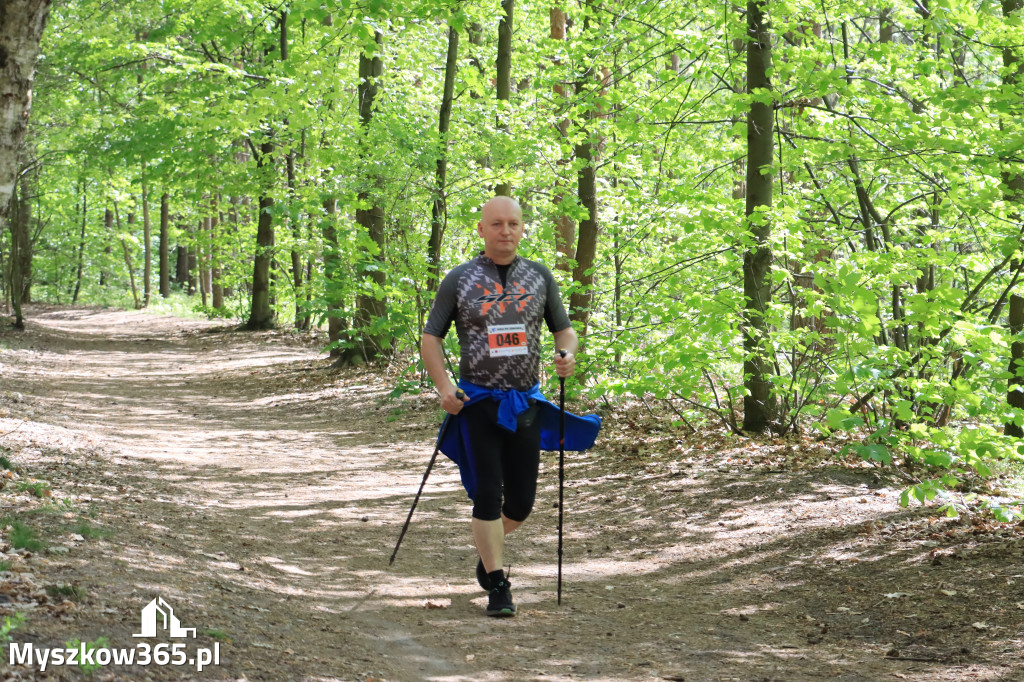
506 463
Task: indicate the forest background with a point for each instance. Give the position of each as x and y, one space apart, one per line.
784 217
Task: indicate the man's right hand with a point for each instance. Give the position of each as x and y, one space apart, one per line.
453 400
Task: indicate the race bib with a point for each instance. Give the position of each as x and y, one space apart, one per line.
506 339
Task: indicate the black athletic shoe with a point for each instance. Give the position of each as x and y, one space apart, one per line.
482 577
500 603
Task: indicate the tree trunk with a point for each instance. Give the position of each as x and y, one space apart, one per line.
586 247
364 343
565 226
261 315
21 237
216 287
203 258
504 75
192 269
332 276
128 254
234 223
439 207
108 224
165 228
1013 77
147 246
1013 194
181 265
759 405
5 279
301 318
886 28
81 240
21 27
19 230
1015 394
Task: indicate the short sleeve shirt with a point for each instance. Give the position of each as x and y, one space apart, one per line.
498 326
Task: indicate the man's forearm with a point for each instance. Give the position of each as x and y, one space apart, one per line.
432 352
567 340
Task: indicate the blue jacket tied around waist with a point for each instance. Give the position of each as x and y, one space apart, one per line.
580 431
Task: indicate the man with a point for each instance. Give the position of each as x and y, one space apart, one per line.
498 302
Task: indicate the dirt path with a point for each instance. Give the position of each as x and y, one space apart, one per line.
260 493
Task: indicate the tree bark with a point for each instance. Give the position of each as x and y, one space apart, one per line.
439 207
203 259
1015 393
1013 194
147 246
181 262
298 270
886 28
261 315
19 238
565 226
128 254
365 344
1013 76
336 323
21 28
108 224
165 228
301 318
192 262
216 287
759 404
81 240
586 247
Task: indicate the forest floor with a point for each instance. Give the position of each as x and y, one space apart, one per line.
260 492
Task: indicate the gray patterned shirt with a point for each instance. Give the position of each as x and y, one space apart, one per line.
498 326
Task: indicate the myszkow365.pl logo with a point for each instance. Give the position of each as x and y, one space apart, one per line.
157 615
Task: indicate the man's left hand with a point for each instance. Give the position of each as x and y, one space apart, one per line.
564 367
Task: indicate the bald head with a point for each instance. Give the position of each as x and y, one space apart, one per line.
501 226
499 203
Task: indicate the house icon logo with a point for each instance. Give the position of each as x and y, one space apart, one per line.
158 613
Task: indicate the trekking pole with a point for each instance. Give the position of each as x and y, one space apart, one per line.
561 471
460 394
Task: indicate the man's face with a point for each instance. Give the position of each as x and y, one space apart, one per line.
501 227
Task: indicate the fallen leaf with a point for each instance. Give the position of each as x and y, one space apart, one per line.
948 593
980 625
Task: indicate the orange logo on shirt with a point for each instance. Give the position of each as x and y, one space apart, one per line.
503 298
